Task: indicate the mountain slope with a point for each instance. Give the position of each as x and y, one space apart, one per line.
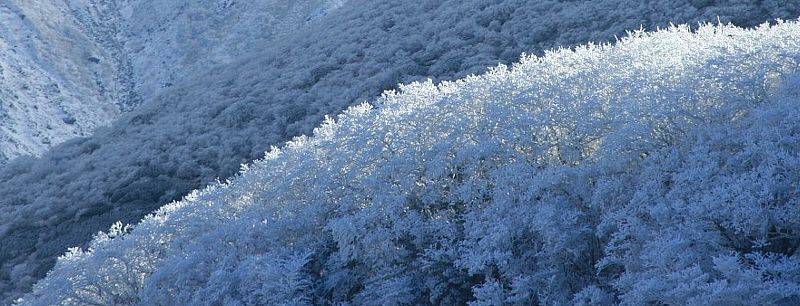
169 41
61 75
661 170
207 125
68 67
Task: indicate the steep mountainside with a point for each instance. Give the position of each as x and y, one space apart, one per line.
662 170
61 74
70 66
206 124
169 41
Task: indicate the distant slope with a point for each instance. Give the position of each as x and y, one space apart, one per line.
68 67
207 125
169 41
61 75
662 171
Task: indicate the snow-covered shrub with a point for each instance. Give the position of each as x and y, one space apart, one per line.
663 170
205 127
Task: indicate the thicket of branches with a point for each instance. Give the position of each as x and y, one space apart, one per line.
205 127
661 170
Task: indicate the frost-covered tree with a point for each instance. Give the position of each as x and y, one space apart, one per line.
206 126
662 170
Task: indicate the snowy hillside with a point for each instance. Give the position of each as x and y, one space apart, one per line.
205 126
61 75
169 41
663 170
68 67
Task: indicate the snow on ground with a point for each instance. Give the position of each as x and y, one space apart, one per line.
663 170
59 76
206 124
169 41
69 67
